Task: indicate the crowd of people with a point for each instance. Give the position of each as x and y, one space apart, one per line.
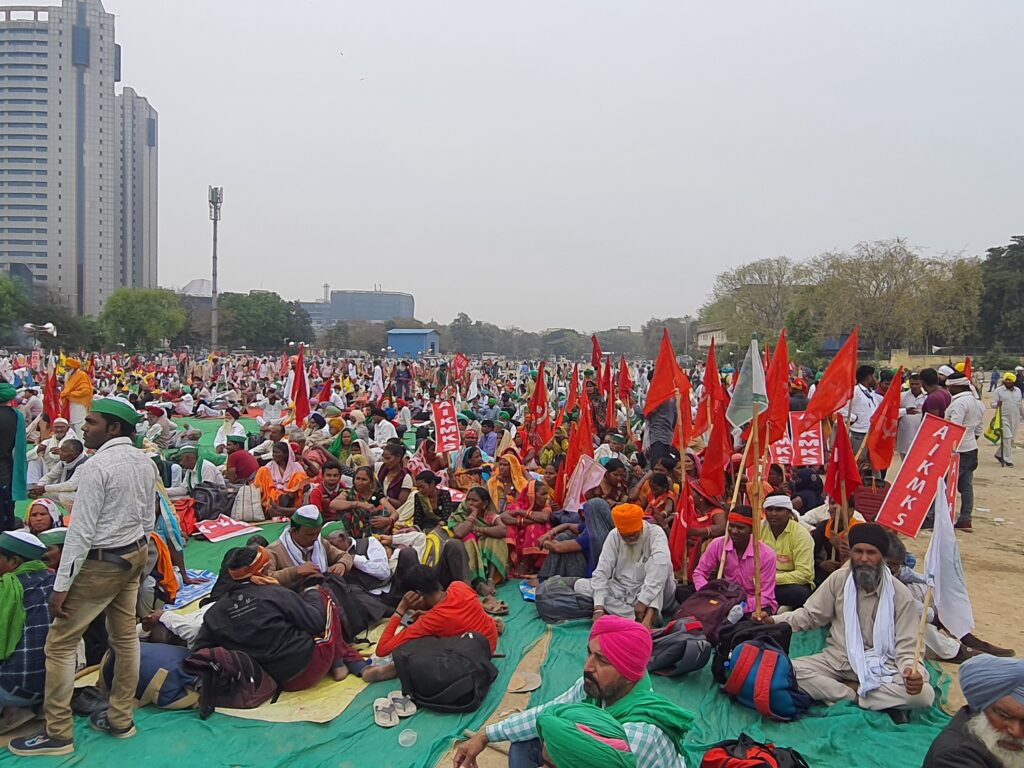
578 474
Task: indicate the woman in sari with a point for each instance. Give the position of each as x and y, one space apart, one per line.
706 522
614 486
476 523
527 520
363 508
282 482
392 475
471 470
361 430
344 440
507 482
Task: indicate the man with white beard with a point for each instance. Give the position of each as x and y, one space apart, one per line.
633 577
869 656
989 731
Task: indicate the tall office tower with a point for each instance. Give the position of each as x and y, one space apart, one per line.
137 122
61 156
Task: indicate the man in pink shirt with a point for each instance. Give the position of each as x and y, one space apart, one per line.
739 569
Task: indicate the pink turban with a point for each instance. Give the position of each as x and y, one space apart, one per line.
625 643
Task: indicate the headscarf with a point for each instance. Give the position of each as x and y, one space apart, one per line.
55 510
528 496
282 477
625 643
12 591
628 519
987 679
519 479
337 447
584 736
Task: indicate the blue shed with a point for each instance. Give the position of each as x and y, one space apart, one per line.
413 342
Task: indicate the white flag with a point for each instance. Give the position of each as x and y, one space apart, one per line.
946 574
750 389
474 391
588 474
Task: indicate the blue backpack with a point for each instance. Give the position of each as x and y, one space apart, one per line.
760 676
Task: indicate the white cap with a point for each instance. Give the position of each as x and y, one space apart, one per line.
945 370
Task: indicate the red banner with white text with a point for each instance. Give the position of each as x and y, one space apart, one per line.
808 440
446 426
913 490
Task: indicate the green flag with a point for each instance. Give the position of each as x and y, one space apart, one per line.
750 389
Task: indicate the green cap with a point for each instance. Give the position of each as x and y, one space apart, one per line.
116 406
22 544
240 439
308 516
194 449
54 537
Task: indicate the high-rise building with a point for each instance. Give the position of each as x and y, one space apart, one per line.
137 140
62 152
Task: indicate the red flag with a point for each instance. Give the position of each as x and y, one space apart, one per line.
51 396
284 364
836 386
91 370
842 465
678 533
539 409
717 454
881 439
595 357
574 389
625 383
968 368
300 395
668 377
684 428
774 421
713 392
611 416
585 430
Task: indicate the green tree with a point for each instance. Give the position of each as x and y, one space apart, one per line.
335 338
143 317
1001 316
261 321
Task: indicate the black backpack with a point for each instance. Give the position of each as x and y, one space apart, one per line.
357 608
711 605
732 635
212 501
446 674
679 648
556 601
229 679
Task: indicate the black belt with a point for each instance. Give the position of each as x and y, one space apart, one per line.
114 554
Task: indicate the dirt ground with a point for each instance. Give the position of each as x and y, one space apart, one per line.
993 561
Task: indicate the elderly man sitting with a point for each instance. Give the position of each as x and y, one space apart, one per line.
615 679
302 552
869 656
60 483
633 577
989 731
194 470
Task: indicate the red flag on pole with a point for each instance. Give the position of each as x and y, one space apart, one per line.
774 420
51 396
595 357
717 454
836 386
842 465
678 533
539 409
611 416
574 389
625 383
585 431
968 368
668 377
881 439
713 392
300 394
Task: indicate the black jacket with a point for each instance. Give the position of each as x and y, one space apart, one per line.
956 747
270 623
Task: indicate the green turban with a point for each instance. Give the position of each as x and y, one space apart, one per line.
584 736
471 415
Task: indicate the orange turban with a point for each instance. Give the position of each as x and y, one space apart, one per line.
72 362
628 519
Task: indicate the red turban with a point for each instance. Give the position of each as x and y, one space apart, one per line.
625 643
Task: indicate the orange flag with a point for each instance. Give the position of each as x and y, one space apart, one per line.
881 439
836 386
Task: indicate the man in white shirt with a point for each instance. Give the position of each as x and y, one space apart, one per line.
104 553
371 567
273 408
862 406
965 409
194 471
1007 399
60 482
383 430
910 414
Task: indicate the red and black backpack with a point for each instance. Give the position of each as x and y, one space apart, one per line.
744 752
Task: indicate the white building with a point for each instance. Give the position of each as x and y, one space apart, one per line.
61 188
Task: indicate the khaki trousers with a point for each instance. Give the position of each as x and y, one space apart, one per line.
99 587
823 679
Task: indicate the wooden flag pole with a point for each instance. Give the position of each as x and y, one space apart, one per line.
919 645
735 498
756 515
684 489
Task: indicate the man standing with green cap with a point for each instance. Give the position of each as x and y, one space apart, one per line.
105 550
25 589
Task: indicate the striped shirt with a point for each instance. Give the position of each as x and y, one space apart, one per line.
653 749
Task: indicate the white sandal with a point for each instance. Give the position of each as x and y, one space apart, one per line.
384 713
404 706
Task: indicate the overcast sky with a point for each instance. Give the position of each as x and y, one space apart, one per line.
575 163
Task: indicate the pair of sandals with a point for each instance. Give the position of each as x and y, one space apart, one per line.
388 711
494 606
